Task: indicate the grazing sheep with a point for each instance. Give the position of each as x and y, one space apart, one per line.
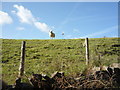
51 34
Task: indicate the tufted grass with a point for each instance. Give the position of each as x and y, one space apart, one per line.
48 56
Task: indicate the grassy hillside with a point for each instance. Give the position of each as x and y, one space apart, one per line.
48 56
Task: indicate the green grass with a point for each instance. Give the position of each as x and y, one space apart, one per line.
48 56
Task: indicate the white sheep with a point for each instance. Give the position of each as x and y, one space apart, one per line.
51 34
62 33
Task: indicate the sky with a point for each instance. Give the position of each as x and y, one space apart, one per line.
34 20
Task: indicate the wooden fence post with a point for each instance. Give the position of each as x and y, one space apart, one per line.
21 67
87 51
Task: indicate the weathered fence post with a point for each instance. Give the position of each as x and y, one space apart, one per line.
21 67
87 51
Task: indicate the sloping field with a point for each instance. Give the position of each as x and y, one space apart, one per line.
48 56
